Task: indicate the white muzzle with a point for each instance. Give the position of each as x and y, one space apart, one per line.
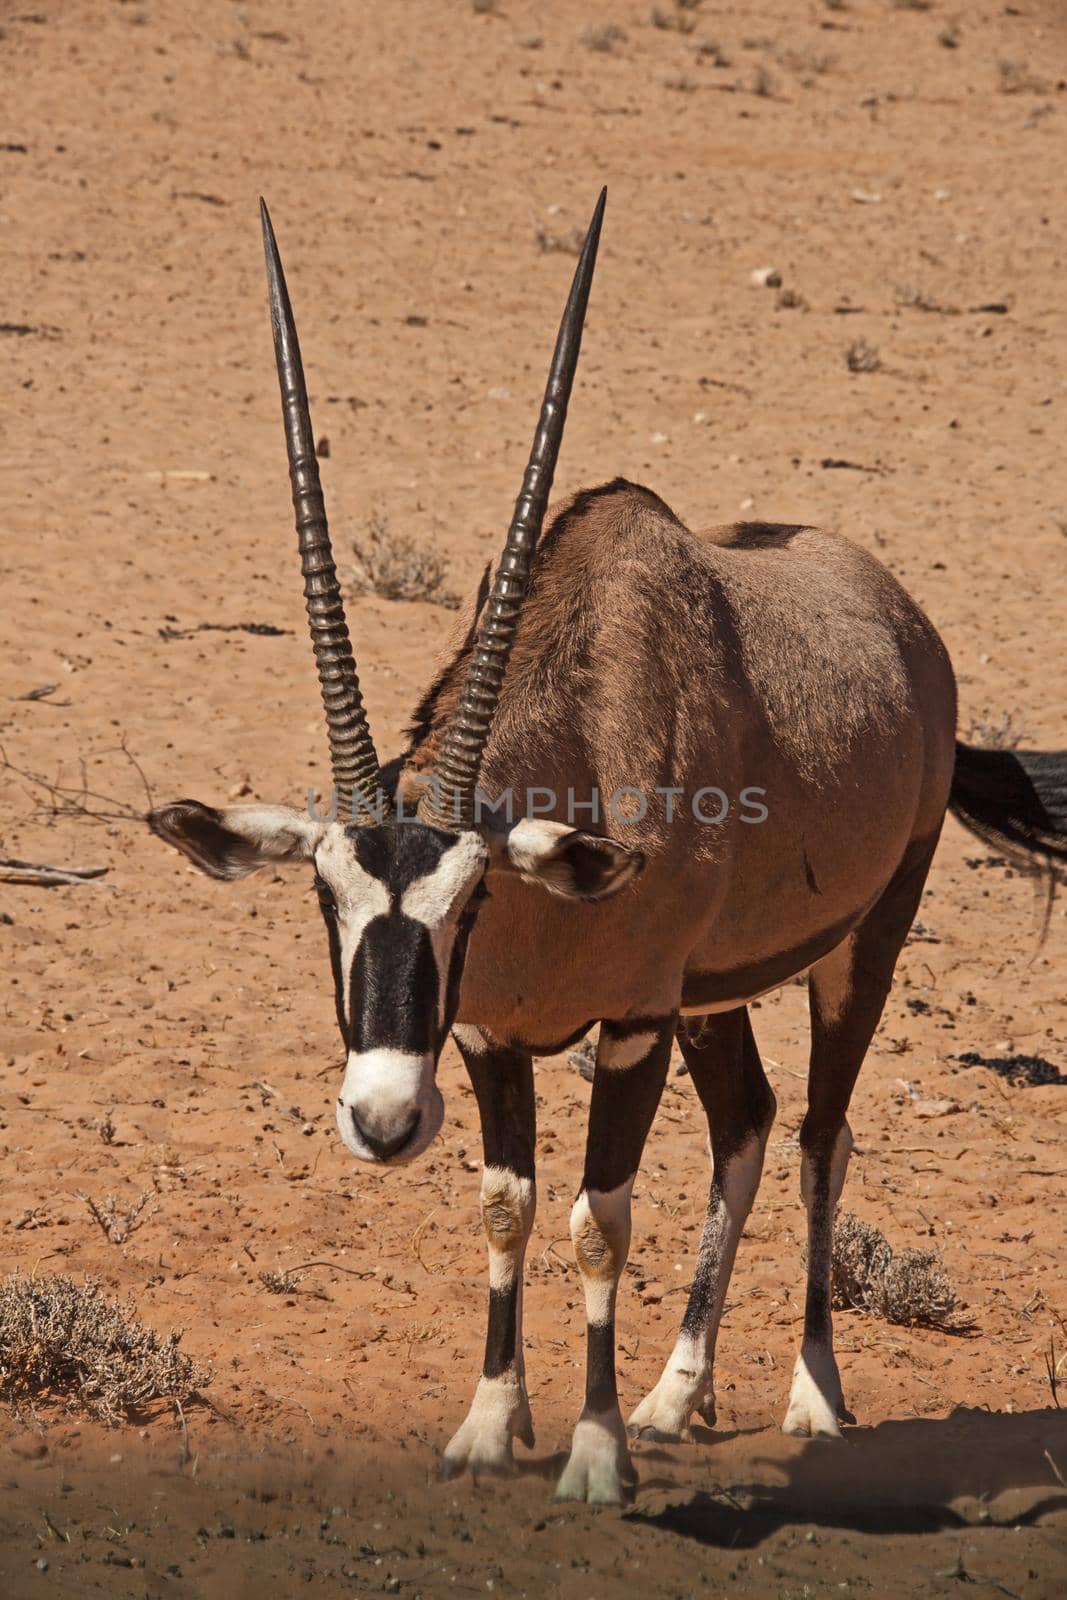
390 1107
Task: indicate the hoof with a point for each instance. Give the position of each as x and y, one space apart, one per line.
816 1405
599 1470
664 1414
499 1413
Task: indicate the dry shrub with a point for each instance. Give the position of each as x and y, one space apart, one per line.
568 243
397 568
911 1289
678 20
1016 78
279 1282
67 1342
603 36
997 733
117 1223
862 357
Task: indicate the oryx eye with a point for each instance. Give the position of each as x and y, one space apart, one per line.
325 894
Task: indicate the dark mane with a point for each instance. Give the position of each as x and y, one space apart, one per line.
425 714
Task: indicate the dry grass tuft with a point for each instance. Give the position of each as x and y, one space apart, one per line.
67 1342
862 357
997 733
549 243
911 1289
711 50
279 1282
1015 78
115 1223
762 83
680 82
677 19
396 568
603 36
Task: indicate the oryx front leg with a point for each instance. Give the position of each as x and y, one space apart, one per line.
631 1067
728 1075
500 1411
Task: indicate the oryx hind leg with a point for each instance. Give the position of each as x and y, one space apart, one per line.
847 991
728 1076
631 1068
503 1085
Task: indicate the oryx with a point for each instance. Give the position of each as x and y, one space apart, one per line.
779 666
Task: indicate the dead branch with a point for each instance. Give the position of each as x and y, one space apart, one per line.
14 871
53 799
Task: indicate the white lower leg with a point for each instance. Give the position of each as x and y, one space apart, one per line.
500 1410
599 1469
687 1384
816 1403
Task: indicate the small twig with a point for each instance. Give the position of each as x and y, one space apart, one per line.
57 1533
353 1272
1053 1380
550 1249
42 695
416 1239
67 801
14 871
1060 1479
136 765
185 1431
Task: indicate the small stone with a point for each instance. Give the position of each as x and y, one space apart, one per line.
765 278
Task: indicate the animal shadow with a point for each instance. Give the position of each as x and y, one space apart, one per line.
910 1477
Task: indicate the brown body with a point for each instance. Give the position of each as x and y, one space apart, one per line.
796 665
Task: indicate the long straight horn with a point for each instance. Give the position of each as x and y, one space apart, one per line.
450 801
352 754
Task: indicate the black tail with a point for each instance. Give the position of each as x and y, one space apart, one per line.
1016 800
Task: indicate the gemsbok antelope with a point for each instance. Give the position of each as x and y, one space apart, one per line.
779 668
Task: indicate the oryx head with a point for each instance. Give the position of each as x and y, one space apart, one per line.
400 897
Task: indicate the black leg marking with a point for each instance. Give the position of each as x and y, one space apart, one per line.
501 1332
631 1068
503 1085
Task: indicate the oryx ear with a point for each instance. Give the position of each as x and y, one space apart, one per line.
232 843
565 861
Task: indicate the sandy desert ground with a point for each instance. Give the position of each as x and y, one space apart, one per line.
900 167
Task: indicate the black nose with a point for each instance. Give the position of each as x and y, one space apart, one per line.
385 1148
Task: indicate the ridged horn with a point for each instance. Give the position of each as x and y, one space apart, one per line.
353 758
450 800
